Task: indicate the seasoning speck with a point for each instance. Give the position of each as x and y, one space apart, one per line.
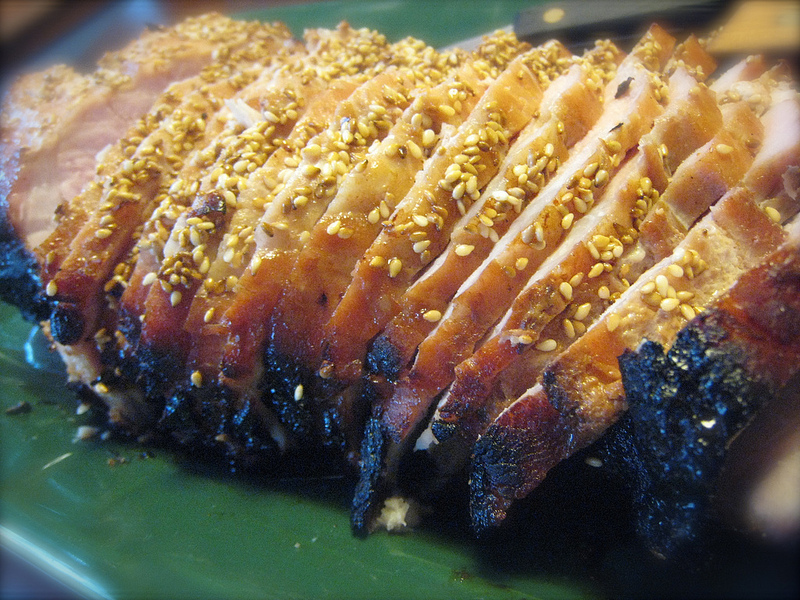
20 408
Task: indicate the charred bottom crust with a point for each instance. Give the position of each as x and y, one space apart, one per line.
384 358
685 406
157 370
367 490
211 417
443 430
20 284
512 458
287 389
66 323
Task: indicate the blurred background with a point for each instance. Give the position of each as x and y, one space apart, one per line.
36 33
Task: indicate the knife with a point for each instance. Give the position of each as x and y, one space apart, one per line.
578 23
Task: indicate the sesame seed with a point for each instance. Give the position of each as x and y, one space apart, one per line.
675 270
569 329
773 214
612 322
298 392
421 246
669 304
334 227
420 220
432 316
724 148
377 261
566 290
590 170
566 221
51 289
175 298
102 233
197 379
101 388
464 249
521 263
345 233
687 311
414 150
662 285
582 311
603 292
149 278
209 315
395 266
428 138
523 339
649 287
547 345
596 270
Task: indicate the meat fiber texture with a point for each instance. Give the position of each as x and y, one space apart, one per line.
419 266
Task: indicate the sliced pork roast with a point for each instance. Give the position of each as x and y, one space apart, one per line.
428 266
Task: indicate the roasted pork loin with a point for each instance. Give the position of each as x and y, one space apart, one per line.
430 266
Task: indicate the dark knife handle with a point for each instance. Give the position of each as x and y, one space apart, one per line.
578 23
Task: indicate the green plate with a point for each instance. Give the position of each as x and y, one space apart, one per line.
114 519
119 520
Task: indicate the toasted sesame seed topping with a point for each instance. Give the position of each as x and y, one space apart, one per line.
569 329
687 311
334 228
464 249
675 270
662 285
612 322
669 304
395 266
197 379
432 316
547 345
51 289
582 311
298 392
773 214
723 148
566 290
